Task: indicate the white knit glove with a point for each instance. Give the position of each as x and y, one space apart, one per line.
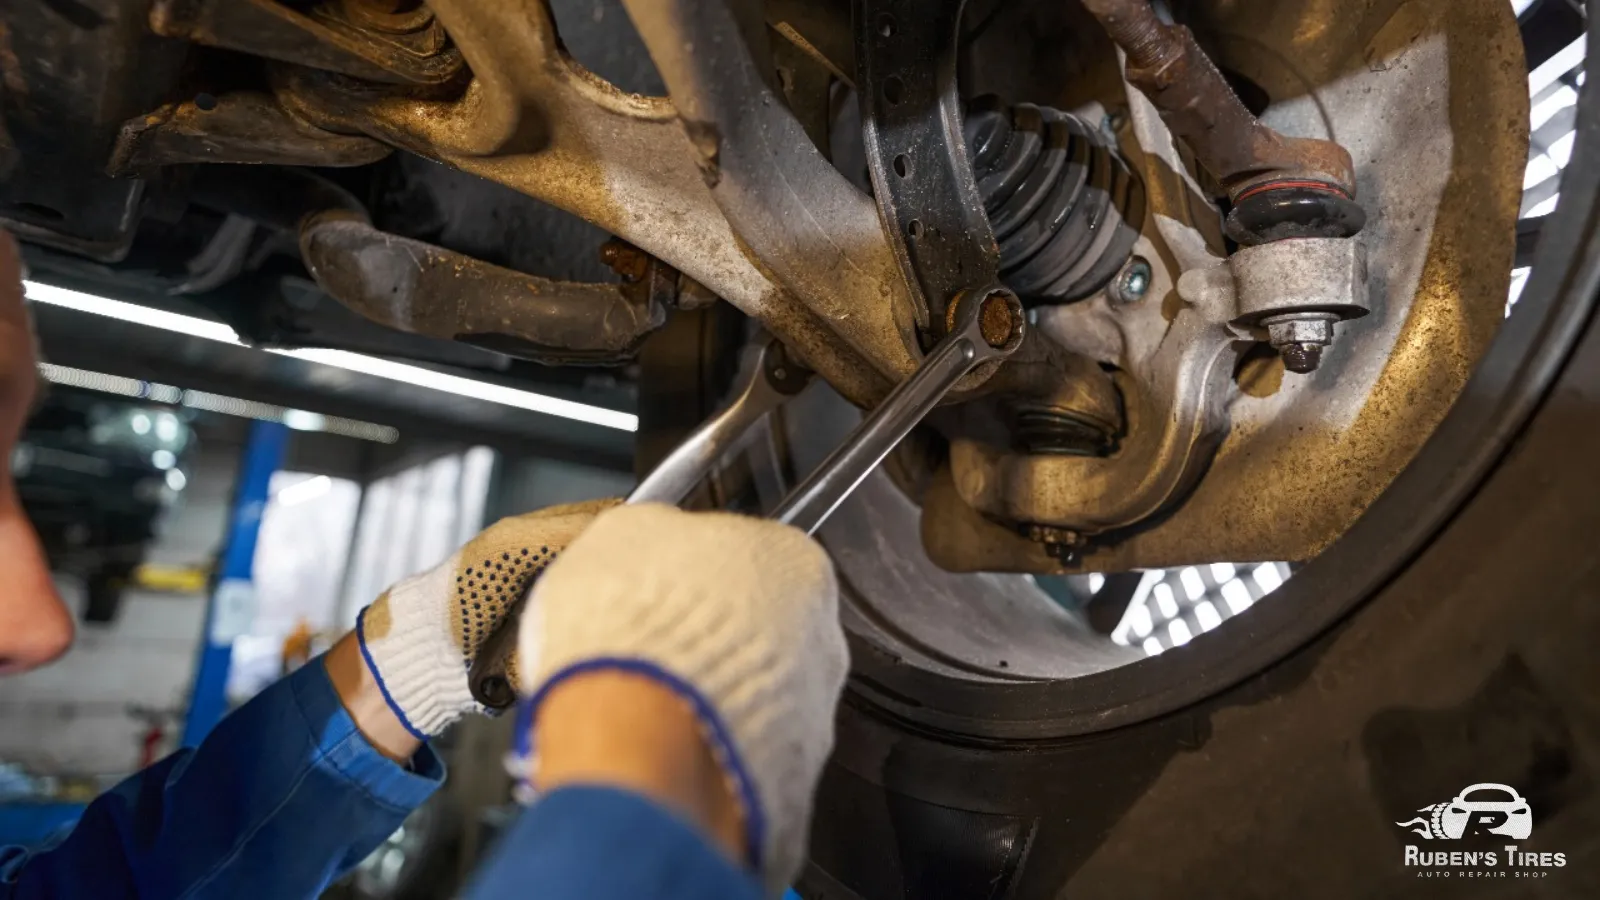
737 615
420 637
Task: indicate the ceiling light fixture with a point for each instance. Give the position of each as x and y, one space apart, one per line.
353 362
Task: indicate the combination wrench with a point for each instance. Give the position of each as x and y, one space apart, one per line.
985 325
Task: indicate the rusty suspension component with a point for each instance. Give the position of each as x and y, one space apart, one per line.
386 41
1280 186
418 287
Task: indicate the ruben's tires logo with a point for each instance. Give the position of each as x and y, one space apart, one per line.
1481 810
1479 816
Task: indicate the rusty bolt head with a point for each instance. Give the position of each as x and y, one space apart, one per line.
1061 544
625 259
1000 316
997 320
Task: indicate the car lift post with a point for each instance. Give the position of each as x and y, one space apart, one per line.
232 603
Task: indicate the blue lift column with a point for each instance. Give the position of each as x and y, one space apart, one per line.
233 599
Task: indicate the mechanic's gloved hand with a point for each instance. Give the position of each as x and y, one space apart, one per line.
420 637
737 615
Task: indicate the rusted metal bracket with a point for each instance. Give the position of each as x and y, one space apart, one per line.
239 127
418 287
911 116
394 41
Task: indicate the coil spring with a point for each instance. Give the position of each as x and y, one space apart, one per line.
1065 208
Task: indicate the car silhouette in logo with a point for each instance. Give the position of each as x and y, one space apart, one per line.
1479 810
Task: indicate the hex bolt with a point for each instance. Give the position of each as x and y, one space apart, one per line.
1133 282
1300 338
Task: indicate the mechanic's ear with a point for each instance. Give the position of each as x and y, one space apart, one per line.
35 627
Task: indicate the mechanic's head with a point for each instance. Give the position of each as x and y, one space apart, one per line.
34 625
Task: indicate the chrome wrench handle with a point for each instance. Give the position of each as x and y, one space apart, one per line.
772 380
987 325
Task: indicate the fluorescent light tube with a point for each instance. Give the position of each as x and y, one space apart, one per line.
354 362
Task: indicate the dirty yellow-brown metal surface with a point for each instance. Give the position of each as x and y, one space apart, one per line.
1431 99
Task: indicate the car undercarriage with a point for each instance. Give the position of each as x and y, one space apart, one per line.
1240 320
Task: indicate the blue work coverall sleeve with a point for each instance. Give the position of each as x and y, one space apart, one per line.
283 796
601 843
